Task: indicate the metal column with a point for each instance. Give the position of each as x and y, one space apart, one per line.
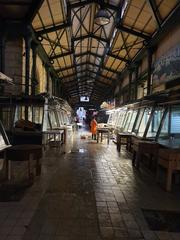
27 64
130 85
33 79
149 71
2 52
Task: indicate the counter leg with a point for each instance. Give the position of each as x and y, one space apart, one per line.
169 178
119 148
38 167
29 165
134 159
97 137
9 169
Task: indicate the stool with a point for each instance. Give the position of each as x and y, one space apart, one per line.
27 152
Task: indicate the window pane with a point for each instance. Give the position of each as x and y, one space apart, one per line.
138 120
164 130
53 119
144 121
155 122
128 119
175 120
133 118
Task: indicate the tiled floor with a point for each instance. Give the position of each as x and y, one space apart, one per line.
89 193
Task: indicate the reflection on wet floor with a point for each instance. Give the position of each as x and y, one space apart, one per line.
91 192
80 150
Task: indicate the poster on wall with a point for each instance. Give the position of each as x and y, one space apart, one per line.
167 67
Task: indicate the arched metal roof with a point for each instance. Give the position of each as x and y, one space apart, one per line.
88 58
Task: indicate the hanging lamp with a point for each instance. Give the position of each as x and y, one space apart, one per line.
102 17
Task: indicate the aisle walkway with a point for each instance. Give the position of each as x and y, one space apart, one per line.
89 193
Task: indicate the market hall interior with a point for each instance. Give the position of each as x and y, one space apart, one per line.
89 119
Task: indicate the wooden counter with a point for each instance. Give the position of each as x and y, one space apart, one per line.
169 158
26 152
143 148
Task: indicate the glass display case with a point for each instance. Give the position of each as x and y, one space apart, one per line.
112 118
155 122
145 118
4 141
130 120
121 119
26 118
170 126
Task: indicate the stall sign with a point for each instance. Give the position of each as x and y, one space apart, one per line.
167 68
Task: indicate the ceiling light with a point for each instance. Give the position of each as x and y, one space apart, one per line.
102 17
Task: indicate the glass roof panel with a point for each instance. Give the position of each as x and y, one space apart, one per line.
50 13
166 6
84 37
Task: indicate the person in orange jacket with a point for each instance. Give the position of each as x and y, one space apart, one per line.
93 125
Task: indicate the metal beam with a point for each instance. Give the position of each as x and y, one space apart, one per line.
155 11
90 71
61 55
119 58
87 2
85 78
101 56
171 21
133 32
90 36
88 53
35 6
20 3
75 82
86 63
53 28
65 69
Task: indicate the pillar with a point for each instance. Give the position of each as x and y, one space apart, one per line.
2 52
48 78
33 77
27 63
149 71
136 81
130 85
27 39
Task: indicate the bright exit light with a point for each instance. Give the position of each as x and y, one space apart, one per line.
84 99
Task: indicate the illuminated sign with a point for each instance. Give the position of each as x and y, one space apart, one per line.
84 99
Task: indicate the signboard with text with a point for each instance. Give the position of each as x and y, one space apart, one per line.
167 68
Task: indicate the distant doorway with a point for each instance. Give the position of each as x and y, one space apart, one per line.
81 115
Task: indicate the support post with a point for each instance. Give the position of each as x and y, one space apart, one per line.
130 85
54 87
27 38
47 79
2 52
136 81
149 71
34 80
27 63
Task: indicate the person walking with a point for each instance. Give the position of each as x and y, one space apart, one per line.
93 125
